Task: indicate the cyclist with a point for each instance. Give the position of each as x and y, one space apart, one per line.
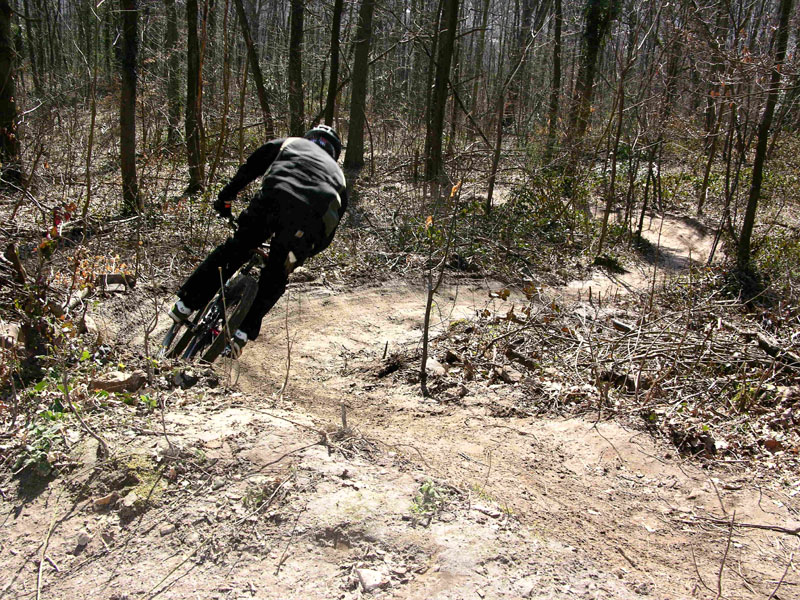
303 197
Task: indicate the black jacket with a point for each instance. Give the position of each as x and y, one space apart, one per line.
304 179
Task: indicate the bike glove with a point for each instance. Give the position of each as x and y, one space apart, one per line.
223 206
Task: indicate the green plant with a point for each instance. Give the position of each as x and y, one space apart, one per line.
36 451
135 399
429 499
259 493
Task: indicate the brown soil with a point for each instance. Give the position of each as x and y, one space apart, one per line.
264 494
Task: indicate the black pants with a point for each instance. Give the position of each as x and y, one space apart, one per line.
256 224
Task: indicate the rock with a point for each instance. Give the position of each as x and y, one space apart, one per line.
105 501
185 379
301 274
487 510
453 357
695 493
9 335
434 367
118 381
83 538
167 529
96 333
525 587
508 374
130 506
370 580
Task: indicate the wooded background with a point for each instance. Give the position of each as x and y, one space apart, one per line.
629 95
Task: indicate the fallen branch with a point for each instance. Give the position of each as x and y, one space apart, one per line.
768 345
776 528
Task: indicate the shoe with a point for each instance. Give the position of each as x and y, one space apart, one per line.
238 342
180 312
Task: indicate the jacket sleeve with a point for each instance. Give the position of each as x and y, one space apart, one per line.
257 164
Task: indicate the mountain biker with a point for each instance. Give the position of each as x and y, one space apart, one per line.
302 199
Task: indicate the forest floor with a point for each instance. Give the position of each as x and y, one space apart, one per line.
242 488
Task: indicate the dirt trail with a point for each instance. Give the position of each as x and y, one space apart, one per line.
432 499
676 243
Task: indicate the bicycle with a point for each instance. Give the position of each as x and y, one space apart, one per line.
210 331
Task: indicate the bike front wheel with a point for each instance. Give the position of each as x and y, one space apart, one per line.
221 318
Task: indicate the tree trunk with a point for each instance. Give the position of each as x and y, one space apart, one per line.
782 35
354 157
555 86
479 56
434 167
330 102
295 73
193 107
131 200
173 73
37 85
599 16
9 143
255 67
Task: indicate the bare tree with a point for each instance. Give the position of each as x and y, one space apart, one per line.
599 16
194 114
173 72
132 201
255 68
555 84
782 36
295 72
354 157
9 143
333 81
434 161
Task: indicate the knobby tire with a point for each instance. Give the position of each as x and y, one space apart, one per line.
239 298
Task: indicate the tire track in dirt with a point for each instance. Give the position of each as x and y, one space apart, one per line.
604 503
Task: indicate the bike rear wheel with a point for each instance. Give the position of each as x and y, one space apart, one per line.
221 317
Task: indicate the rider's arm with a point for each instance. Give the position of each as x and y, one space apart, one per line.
257 164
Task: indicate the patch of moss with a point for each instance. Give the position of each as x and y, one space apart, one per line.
151 484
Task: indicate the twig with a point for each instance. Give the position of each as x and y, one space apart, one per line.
785 571
719 497
288 349
697 571
52 564
625 556
725 556
289 543
45 544
186 559
68 400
